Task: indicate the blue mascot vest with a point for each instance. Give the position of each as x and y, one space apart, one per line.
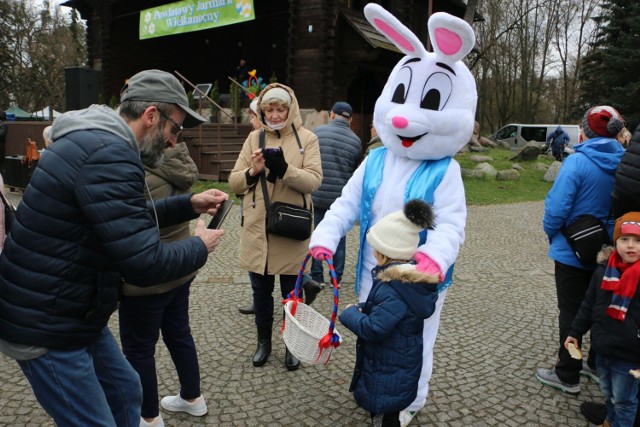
421 185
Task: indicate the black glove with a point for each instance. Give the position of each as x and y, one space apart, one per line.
276 164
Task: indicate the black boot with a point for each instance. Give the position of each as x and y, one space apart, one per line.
594 412
290 361
247 309
311 290
264 345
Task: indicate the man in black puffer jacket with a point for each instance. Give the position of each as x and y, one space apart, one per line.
82 227
340 153
626 188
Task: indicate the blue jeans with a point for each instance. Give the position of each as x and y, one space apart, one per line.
620 389
141 320
317 273
91 386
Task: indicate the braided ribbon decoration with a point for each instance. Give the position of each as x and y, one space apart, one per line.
331 339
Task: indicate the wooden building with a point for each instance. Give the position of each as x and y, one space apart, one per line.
324 49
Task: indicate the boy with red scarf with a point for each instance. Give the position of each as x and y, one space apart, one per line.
611 309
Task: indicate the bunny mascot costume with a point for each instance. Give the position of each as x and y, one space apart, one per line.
424 116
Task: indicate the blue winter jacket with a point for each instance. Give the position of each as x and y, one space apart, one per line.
389 327
558 139
583 186
83 225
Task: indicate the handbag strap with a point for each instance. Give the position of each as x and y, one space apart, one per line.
265 192
6 203
263 183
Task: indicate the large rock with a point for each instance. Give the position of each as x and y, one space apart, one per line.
480 159
488 171
503 144
475 149
508 175
486 142
529 152
471 173
552 173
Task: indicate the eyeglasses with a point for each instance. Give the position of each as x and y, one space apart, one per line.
177 128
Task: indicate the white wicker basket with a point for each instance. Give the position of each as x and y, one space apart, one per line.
303 333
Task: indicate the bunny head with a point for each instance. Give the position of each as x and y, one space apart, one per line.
427 108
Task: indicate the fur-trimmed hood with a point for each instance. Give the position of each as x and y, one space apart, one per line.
406 273
604 254
415 287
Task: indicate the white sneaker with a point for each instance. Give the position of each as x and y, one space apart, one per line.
156 422
406 416
176 403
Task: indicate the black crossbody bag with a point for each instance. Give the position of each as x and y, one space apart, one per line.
586 235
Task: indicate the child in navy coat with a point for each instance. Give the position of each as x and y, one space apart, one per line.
389 324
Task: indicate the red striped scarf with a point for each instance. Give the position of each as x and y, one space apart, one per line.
621 279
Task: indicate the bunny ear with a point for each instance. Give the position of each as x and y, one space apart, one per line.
394 31
452 37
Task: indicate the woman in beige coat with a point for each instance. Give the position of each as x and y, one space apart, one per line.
289 179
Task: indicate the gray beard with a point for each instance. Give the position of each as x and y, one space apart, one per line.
152 145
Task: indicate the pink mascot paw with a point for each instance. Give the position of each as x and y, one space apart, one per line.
321 253
428 266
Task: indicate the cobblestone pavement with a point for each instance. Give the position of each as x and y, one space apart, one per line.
499 323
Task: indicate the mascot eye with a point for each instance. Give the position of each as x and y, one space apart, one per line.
436 92
401 84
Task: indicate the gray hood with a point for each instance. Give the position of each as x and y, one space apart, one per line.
96 117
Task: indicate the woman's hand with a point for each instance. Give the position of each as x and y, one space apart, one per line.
276 164
257 163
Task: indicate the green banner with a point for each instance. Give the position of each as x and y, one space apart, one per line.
190 15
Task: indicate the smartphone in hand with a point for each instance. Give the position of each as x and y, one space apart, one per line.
221 214
270 151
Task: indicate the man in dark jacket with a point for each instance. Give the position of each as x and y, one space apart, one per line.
626 188
340 152
84 226
557 140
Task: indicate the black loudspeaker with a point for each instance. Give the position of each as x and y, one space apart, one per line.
81 87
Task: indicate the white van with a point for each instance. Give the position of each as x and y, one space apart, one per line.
517 134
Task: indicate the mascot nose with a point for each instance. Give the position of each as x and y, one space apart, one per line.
399 122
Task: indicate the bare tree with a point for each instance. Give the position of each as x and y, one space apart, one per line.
572 37
527 59
40 43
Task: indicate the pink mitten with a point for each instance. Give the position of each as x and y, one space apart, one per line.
427 265
321 253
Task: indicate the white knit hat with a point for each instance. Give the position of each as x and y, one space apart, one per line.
276 94
397 234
